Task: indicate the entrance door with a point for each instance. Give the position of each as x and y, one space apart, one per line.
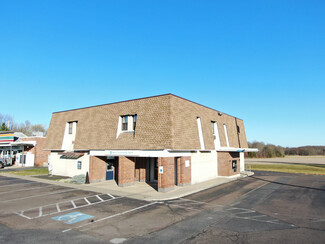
110 168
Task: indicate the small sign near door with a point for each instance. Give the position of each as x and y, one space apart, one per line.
161 169
187 163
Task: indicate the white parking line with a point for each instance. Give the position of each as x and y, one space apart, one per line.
88 201
41 195
73 204
26 189
110 195
99 198
21 213
112 216
58 208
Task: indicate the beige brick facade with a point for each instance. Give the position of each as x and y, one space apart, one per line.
164 123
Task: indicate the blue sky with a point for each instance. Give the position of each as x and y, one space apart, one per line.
262 61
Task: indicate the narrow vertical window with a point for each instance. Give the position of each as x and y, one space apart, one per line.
215 132
226 134
134 121
125 123
70 127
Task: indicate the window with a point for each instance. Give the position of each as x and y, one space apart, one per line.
134 121
124 123
70 127
128 122
79 164
215 133
238 129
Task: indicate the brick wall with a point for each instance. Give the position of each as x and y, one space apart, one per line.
166 181
140 169
163 122
97 169
41 156
126 169
97 126
185 130
184 174
225 163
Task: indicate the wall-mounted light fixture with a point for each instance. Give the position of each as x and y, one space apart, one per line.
219 113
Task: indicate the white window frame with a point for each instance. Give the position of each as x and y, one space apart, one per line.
216 136
199 126
131 124
226 134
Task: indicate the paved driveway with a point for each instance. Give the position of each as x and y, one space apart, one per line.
268 207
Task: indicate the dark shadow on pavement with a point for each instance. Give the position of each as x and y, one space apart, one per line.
286 184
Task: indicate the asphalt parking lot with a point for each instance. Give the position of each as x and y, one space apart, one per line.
268 207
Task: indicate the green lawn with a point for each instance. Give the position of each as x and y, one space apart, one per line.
41 171
315 169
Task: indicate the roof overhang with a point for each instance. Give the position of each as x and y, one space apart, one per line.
234 149
70 155
19 143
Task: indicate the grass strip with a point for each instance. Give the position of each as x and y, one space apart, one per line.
314 169
26 172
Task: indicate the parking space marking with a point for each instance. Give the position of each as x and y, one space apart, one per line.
88 201
99 198
73 204
110 195
233 211
112 216
59 210
72 218
41 195
243 211
28 189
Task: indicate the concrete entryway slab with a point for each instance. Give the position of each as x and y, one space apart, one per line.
142 190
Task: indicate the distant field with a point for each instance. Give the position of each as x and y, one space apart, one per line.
288 160
315 169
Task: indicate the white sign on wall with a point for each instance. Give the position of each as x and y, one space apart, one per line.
161 169
187 163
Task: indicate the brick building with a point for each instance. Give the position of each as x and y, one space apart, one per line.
165 140
19 149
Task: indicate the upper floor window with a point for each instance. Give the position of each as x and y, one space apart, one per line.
134 121
129 122
124 123
215 133
70 127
